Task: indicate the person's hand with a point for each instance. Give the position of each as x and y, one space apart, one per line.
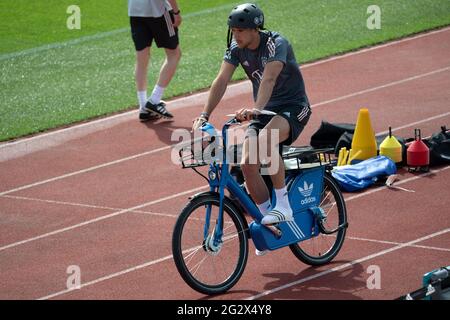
177 20
245 114
198 122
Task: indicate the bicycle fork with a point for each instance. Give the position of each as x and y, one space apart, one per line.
214 241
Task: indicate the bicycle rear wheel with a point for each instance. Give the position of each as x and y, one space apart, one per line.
323 248
206 270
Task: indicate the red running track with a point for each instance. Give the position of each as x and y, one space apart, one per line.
104 196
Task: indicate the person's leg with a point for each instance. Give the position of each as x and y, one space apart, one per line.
276 131
253 180
250 169
166 73
166 36
142 38
279 129
142 60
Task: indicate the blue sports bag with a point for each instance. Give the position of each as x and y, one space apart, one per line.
363 174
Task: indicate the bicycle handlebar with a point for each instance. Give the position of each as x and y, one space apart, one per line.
208 128
264 112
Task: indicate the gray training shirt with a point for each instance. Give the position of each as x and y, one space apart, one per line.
289 88
148 8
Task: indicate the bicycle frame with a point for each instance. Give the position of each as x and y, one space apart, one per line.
304 187
226 181
312 194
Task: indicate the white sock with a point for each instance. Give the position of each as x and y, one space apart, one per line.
142 98
156 94
264 208
282 204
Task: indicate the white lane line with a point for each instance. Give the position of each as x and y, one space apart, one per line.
90 206
397 243
431 248
387 85
74 173
168 215
416 123
347 265
114 214
381 46
82 205
176 216
113 275
193 190
203 95
168 147
134 209
169 257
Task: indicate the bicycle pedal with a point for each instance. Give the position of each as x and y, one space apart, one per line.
275 229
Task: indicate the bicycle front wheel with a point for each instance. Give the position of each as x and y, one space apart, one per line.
323 248
205 269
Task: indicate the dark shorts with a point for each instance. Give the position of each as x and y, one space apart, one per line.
296 115
145 29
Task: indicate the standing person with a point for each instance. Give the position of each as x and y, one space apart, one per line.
270 64
158 20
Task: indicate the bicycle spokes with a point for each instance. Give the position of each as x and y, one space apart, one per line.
213 260
332 220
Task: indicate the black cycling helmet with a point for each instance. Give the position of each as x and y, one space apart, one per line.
246 16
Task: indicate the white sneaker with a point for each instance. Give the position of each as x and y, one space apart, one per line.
260 253
276 216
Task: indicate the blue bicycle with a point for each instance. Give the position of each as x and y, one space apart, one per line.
210 237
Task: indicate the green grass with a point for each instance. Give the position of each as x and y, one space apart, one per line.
32 23
76 80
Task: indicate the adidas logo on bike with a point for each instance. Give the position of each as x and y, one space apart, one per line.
306 191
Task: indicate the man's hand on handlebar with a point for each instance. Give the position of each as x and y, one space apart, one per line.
241 115
199 121
245 114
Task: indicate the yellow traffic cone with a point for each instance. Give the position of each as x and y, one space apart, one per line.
363 138
354 156
391 148
341 153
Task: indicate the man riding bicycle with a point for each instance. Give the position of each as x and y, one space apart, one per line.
270 64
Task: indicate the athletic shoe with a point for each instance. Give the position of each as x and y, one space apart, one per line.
159 109
147 116
260 253
275 216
